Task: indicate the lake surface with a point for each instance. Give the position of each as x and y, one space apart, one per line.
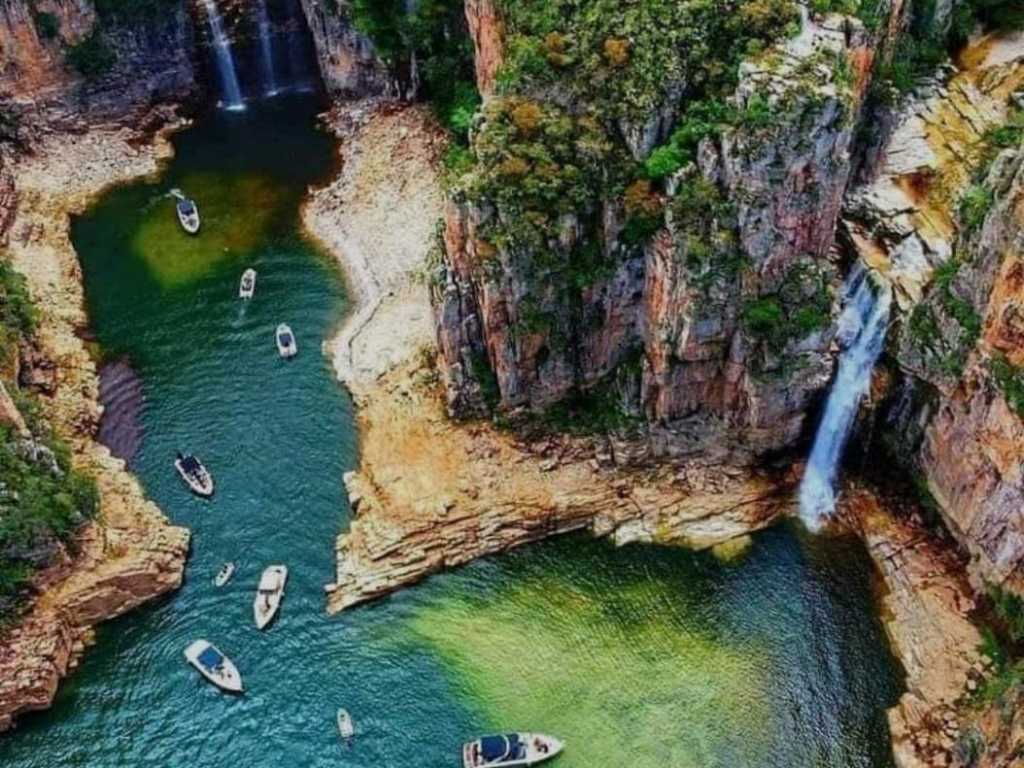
637 657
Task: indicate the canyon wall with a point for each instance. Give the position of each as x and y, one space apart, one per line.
348 64
721 322
943 220
64 64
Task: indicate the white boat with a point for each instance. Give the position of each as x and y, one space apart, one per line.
194 474
214 666
510 749
346 727
224 574
286 344
248 285
269 594
188 214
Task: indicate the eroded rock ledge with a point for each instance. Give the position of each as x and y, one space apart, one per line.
130 554
432 494
926 611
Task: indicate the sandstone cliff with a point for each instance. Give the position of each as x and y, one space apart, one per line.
130 554
701 323
64 64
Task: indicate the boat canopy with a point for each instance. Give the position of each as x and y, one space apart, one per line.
190 464
286 338
187 207
500 748
210 658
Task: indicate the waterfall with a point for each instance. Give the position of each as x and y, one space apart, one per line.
266 49
231 93
861 335
299 67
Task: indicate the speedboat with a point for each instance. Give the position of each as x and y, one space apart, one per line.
214 666
269 594
286 344
510 749
194 474
224 574
248 285
346 727
188 214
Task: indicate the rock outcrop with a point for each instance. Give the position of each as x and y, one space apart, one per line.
926 610
431 495
674 325
66 65
487 31
130 553
349 66
379 216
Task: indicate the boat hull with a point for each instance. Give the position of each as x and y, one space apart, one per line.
202 487
269 595
227 677
537 748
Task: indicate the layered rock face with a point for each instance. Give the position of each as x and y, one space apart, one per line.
958 279
348 64
130 553
706 322
129 63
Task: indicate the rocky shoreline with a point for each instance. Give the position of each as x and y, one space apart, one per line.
378 217
130 554
432 494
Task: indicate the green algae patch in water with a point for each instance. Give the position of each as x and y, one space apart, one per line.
237 213
651 656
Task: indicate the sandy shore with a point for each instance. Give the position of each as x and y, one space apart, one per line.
379 217
130 553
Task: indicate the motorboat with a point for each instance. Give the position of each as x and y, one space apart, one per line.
346 727
286 344
224 574
194 474
248 285
510 749
214 666
188 213
269 594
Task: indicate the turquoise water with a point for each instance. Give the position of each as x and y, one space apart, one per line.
642 656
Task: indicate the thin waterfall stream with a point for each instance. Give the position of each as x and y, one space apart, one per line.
862 326
231 91
270 87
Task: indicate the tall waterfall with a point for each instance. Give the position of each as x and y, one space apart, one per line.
862 326
231 92
266 49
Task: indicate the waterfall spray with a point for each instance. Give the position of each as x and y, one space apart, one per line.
862 326
231 92
266 49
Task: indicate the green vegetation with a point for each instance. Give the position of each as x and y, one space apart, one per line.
701 119
42 500
1010 380
802 306
975 204
868 11
47 24
92 57
1009 135
434 34
627 57
1001 642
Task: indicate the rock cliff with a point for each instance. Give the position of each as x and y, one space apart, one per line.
349 66
701 321
130 553
65 64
